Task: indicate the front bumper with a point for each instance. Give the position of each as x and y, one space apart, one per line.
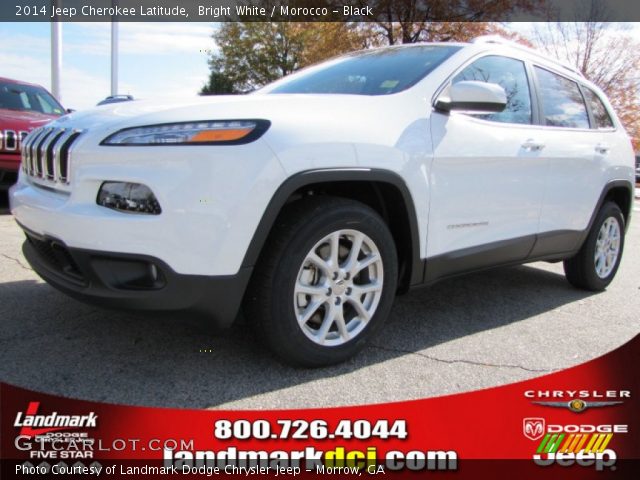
134 282
212 199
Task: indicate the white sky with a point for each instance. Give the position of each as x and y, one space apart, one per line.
156 59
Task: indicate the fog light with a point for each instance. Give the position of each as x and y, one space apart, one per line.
128 197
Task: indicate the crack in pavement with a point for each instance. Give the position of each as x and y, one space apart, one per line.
468 362
23 266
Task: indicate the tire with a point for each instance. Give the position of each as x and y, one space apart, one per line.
592 268
295 298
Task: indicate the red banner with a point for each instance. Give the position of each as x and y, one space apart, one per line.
578 423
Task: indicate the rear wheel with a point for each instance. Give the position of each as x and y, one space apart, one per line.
325 282
596 264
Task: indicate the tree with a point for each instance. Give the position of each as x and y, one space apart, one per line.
252 54
606 55
412 32
327 40
218 84
410 21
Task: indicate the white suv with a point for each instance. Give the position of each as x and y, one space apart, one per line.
315 200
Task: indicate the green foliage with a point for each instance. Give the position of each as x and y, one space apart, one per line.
253 54
218 84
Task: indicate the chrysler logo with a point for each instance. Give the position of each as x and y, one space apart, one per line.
577 405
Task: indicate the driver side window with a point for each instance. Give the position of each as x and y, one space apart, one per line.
511 75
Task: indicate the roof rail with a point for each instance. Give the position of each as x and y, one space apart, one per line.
498 40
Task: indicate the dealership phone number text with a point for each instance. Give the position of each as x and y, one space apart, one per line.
304 429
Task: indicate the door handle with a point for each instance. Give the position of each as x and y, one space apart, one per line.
532 146
602 149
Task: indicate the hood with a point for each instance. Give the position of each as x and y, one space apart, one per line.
18 120
283 110
216 107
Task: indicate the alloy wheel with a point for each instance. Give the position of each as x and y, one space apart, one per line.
607 247
338 287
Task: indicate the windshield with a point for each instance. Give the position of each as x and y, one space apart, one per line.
375 72
28 98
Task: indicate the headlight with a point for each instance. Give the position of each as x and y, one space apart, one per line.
223 132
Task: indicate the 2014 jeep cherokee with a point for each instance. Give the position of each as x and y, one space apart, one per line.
315 200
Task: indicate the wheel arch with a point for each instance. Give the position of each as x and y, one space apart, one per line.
619 192
383 190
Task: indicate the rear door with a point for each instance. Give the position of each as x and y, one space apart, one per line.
576 153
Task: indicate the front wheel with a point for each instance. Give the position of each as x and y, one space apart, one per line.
595 265
325 282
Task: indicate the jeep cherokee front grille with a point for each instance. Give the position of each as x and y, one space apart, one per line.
46 155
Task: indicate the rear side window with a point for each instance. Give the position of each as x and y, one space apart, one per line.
511 75
562 102
600 113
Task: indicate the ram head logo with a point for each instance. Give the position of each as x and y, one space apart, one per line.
533 428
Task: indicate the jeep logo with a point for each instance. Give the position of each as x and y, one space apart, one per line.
11 140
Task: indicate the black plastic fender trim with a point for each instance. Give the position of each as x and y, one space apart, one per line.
310 177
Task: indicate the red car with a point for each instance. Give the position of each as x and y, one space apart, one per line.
23 107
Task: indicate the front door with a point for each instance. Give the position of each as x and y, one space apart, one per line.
488 177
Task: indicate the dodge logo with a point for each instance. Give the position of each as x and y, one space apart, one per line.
533 428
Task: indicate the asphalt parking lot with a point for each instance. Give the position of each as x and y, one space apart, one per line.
482 330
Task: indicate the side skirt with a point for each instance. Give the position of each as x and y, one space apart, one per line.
557 245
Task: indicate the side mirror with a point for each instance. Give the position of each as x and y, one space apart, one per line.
70 110
473 96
